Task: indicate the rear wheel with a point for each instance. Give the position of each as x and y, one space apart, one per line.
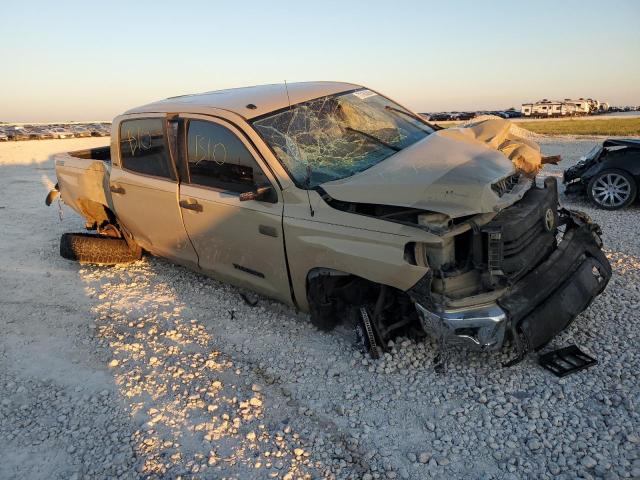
612 189
97 249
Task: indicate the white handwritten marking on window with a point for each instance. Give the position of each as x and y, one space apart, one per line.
141 140
207 150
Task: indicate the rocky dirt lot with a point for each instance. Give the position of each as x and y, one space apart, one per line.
154 371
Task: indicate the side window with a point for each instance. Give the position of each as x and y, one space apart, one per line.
143 148
217 158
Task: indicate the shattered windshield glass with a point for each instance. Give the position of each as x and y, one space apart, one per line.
337 136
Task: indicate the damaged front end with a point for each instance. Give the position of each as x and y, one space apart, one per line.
537 266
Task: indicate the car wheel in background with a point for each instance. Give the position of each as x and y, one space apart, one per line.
97 249
612 189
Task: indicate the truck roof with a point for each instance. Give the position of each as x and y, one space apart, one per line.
248 102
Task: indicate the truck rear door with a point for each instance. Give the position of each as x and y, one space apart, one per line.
144 189
237 241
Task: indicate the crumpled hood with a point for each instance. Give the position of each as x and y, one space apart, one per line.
442 173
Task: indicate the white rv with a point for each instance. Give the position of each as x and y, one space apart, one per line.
567 107
547 108
582 106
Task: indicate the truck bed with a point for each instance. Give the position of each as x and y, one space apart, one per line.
83 182
98 153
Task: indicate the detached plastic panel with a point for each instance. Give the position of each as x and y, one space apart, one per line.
566 361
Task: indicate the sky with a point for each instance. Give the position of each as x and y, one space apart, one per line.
78 60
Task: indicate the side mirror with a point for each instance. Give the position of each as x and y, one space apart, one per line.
260 194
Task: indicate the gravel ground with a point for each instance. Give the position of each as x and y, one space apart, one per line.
154 371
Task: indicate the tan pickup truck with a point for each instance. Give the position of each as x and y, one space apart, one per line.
332 198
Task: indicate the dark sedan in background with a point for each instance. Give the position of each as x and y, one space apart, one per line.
609 174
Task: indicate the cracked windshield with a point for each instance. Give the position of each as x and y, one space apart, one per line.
337 136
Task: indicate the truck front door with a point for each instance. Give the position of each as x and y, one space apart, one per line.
237 240
144 190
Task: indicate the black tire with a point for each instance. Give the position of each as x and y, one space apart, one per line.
97 249
623 183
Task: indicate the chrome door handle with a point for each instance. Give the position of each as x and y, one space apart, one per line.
191 205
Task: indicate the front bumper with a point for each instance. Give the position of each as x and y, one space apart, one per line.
478 328
547 300
539 305
572 180
573 173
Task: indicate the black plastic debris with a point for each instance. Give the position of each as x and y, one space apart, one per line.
251 302
566 361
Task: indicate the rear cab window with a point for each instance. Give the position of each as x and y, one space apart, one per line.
143 148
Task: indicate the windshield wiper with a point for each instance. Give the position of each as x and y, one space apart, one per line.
373 138
411 115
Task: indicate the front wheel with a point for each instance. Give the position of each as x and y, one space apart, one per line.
612 189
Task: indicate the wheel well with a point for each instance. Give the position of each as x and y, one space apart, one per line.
334 294
102 219
95 213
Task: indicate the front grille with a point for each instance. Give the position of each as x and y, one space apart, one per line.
506 184
525 237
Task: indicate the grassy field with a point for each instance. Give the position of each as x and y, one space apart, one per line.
611 127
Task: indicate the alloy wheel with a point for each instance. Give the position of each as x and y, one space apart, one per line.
611 190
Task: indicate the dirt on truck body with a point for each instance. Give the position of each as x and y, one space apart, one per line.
334 199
